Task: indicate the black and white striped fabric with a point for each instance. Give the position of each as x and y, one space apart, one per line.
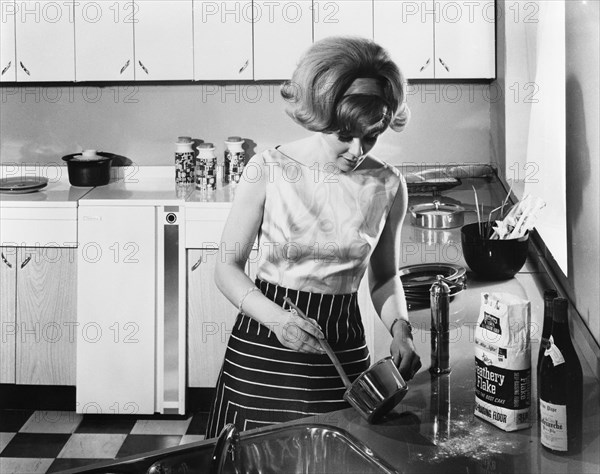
262 382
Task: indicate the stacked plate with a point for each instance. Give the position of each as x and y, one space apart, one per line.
417 281
22 184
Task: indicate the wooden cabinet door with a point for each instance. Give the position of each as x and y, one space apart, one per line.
164 40
465 40
46 316
210 319
282 32
45 49
8 320
343 17
104 40
8 70
406 29
223 40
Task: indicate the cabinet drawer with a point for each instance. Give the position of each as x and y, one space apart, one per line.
204 226
38 227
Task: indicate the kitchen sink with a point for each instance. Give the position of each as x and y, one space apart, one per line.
303 448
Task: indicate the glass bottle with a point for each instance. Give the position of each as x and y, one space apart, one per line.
561 388
549 296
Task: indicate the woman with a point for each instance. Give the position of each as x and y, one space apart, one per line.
324 211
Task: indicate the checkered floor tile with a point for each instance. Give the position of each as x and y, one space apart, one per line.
34 442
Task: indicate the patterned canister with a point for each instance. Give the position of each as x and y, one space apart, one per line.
235 160
206 167
184 161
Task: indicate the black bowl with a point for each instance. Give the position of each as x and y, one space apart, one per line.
492 259
85 173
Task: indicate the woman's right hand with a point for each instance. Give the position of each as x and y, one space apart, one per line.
299 334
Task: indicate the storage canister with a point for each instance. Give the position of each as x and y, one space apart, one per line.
235 160
206 167
184 161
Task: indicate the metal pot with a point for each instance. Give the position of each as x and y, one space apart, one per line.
437 215
377 390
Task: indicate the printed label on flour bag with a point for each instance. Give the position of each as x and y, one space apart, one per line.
503 361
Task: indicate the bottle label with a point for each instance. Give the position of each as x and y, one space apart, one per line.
553 421
554 352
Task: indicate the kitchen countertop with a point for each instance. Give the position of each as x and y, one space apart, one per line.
434 428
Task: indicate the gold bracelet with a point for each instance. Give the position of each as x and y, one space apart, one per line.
248 291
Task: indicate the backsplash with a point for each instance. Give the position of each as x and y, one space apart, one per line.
39 124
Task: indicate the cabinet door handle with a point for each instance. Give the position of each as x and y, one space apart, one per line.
444 64
26 261
24 69
143 67
8 264
125 66
424 66
197 264
6 68
244 66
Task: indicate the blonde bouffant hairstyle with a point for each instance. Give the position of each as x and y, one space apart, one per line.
318 93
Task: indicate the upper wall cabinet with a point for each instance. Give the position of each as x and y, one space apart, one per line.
8 70
432 39
282 32
164 40
343 17
44 40
223 40
104 40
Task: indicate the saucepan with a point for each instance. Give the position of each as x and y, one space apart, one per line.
437 215
373 393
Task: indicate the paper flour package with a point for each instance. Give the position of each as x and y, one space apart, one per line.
503 361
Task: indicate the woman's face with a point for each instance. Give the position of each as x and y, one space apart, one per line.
350 151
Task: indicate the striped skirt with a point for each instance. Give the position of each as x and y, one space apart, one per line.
262 382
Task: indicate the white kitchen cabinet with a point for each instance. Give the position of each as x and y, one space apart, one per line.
223 40
8 70
104 40
45 47
37 312
164 40
282 32
343 17
435 39
465 38
406 29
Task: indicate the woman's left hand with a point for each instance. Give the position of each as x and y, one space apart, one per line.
403 351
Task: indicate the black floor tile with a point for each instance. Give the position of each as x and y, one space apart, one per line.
137 444
60 465
198 424
39 445
106 424
11 421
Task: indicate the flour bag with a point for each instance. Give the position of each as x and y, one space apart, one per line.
503 361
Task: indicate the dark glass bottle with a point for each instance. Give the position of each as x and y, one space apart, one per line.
549 296
561 388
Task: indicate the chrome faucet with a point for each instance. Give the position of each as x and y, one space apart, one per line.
440 326
227 447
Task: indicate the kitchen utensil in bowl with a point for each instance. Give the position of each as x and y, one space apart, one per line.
437 215
89 169
373 393
489 259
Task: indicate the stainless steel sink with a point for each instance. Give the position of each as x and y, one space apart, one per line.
301 449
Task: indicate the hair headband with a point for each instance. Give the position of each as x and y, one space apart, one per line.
365 86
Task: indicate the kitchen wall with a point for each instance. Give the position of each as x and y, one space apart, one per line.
40 124
545 132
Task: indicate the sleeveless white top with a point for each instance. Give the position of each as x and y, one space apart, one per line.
320 228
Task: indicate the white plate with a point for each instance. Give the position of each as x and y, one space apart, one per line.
22 184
